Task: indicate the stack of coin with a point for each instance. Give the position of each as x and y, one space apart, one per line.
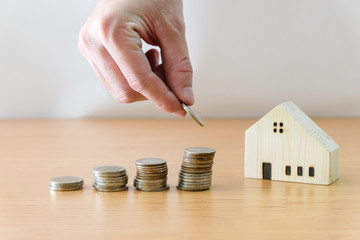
196 169
151 175
110 178
66 183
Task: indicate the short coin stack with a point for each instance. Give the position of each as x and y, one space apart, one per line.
196 169
66 183
151 175
110 178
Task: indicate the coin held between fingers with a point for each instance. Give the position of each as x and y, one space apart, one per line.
193 114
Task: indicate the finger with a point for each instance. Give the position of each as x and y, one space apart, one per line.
125 48
153 57
159 71
177 66
111 76
98 73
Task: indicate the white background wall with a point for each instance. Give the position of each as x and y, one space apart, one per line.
248 56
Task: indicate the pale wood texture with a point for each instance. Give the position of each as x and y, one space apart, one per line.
33 151
287 137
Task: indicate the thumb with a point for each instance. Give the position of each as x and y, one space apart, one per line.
177 67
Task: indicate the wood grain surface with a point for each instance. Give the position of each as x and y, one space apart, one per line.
33 151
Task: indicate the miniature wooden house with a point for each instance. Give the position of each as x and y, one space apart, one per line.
286 145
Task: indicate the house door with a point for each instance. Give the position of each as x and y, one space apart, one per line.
266 168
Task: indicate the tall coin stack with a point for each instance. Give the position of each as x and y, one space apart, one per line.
196 169
110 178
151 175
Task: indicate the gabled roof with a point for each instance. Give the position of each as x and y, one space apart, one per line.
310 126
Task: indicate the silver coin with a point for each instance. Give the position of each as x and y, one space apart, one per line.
66 182
109 189
194 185
181 178
153 173
195 171
196 174
150 162
154 190
65 189
144 176
157 186
151 169
108 181
195 182
192 165
149 178
65 185
68 188
184 188
199 156
195 179
112 175
200 151
193 114
110 184
146 186
142 166
149 183
192 189
112 179
198 160
152 180
108 169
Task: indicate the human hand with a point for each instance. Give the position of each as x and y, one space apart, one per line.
111 41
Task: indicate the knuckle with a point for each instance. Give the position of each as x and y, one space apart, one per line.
104 23
104 27
83 39
112 30
183 66
124 97
179 25
174 26
137 83
164 106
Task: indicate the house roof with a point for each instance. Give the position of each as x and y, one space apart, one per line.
309 125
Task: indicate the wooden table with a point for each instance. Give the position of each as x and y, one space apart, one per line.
33 151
